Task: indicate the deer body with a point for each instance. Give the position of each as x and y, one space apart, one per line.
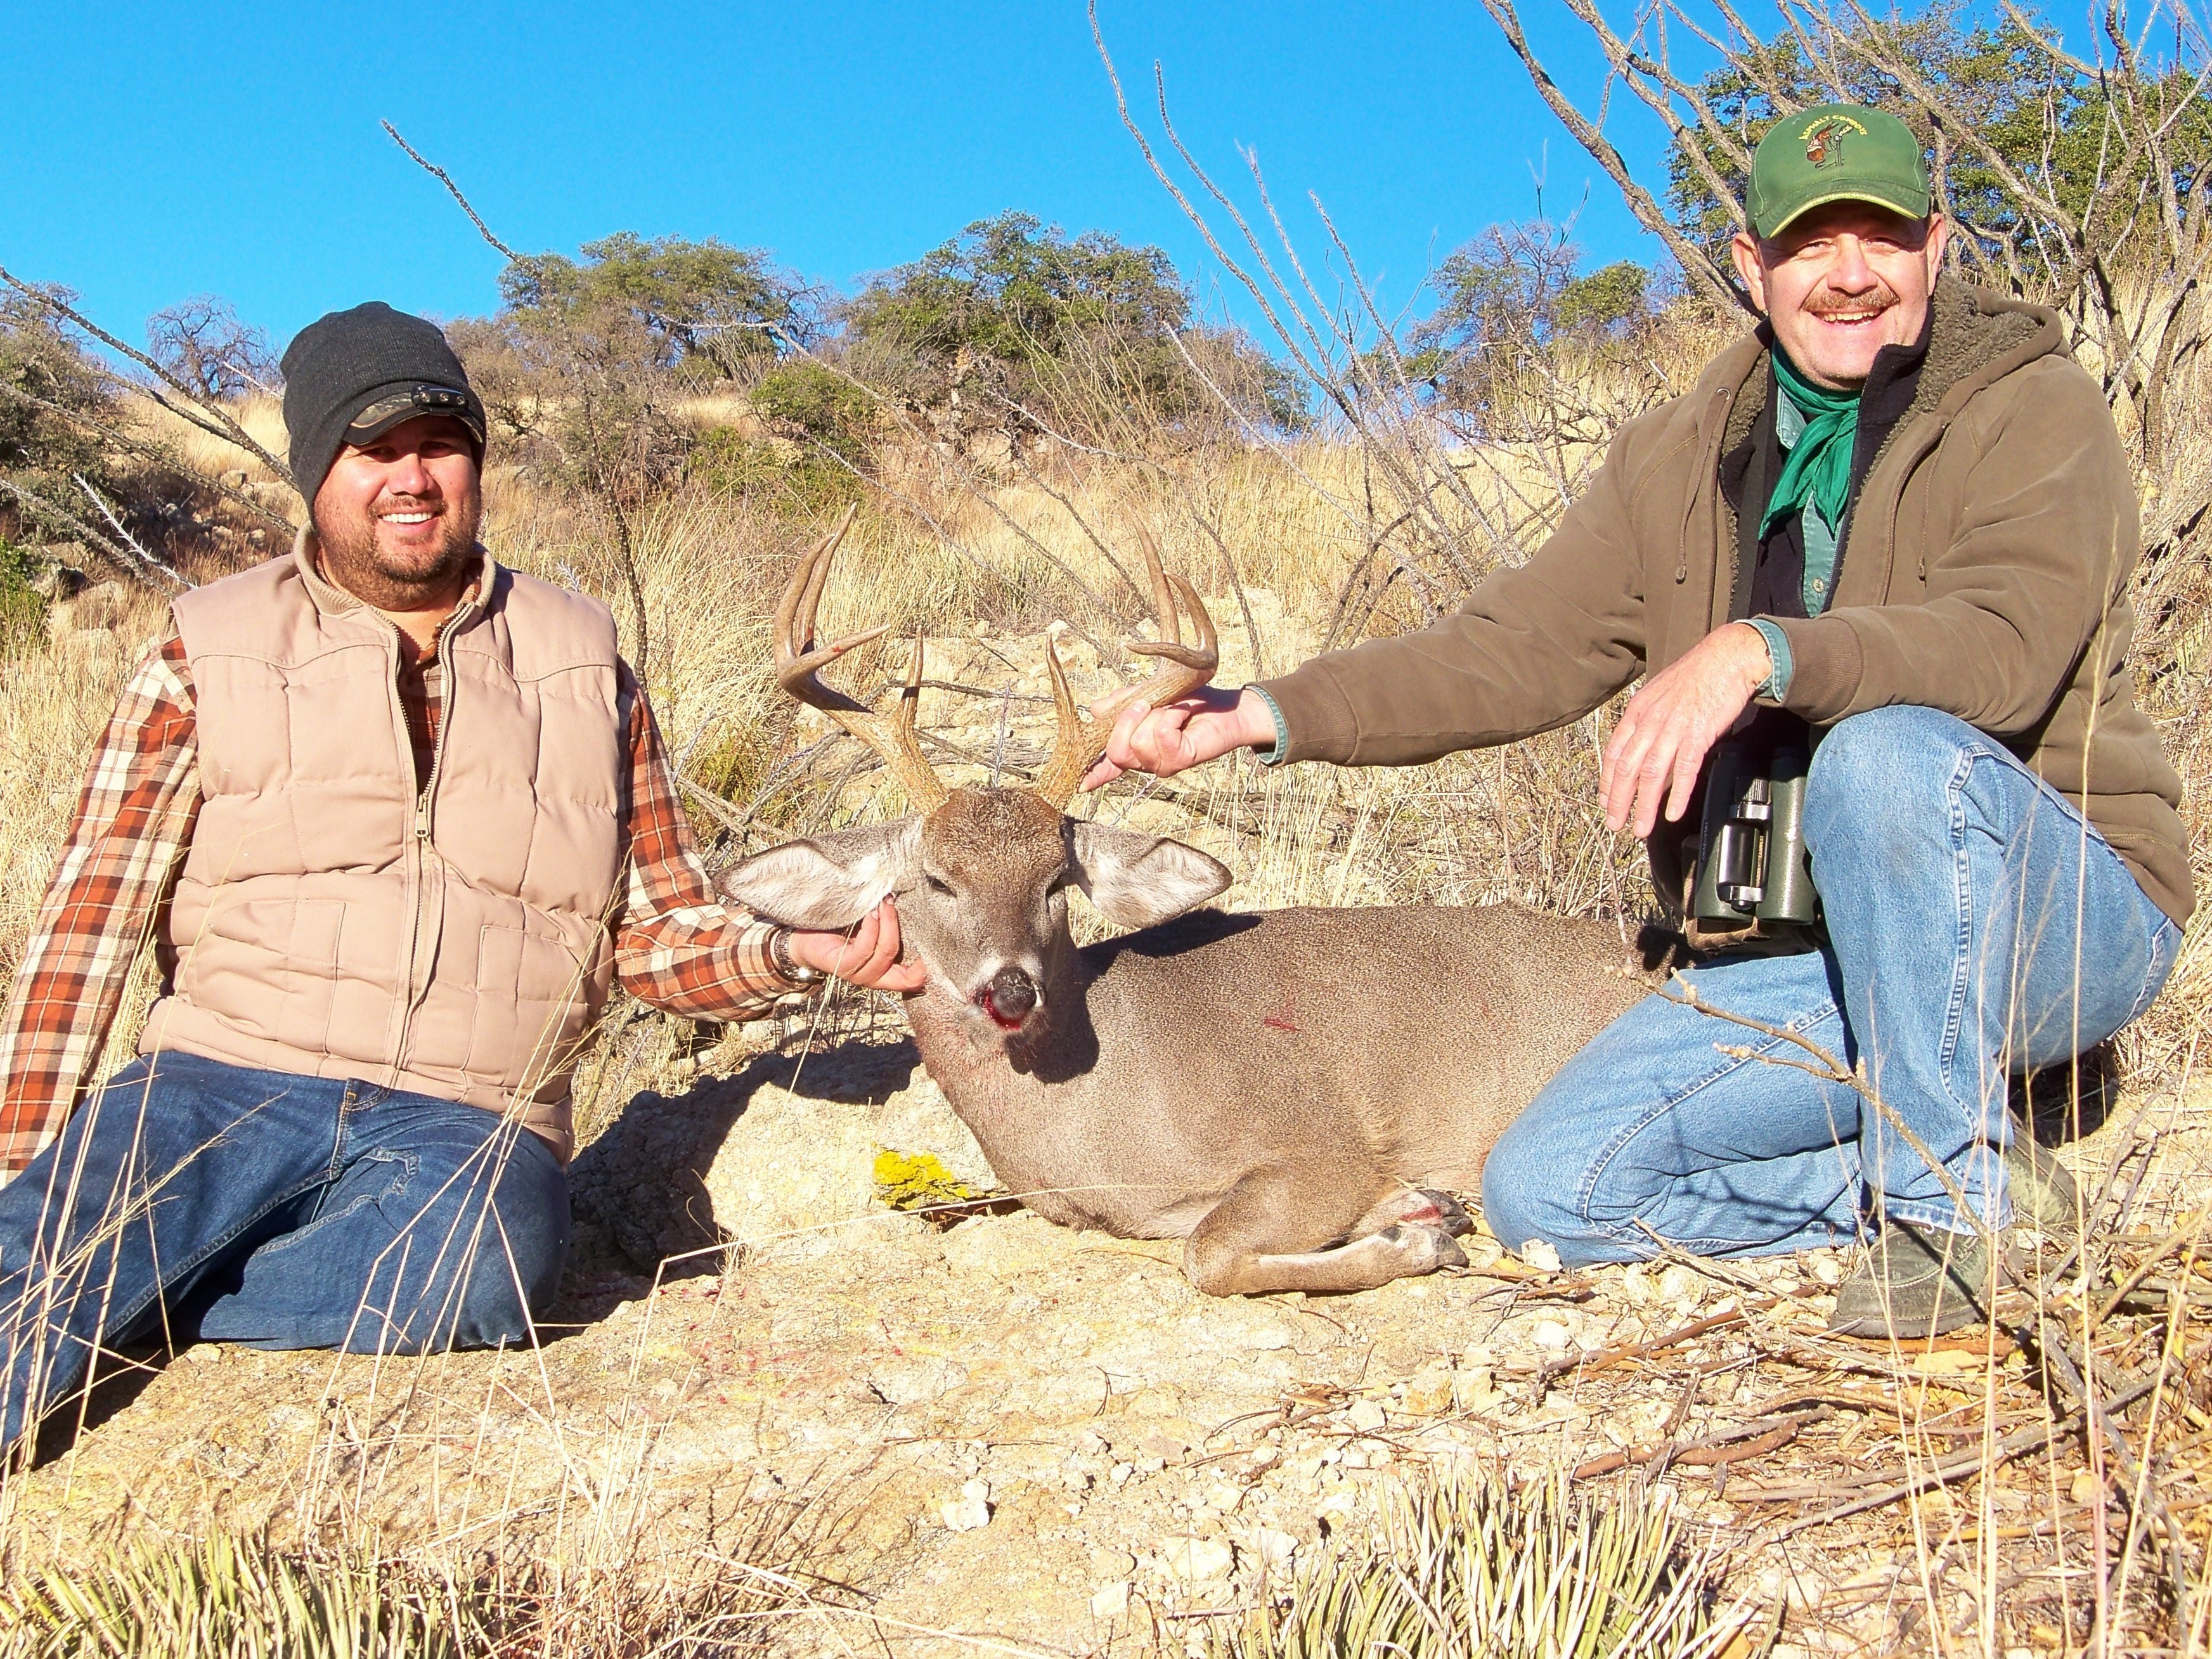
1289 1091
1358 1056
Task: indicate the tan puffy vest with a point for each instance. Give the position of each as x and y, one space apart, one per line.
326 923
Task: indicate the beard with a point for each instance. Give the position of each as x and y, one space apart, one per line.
398 579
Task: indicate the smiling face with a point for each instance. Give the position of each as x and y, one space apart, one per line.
397 516
1840 282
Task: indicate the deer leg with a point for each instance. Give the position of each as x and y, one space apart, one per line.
1270 1232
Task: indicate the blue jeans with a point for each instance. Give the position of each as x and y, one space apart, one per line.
1978 927
272 1210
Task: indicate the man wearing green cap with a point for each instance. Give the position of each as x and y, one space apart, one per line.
1894 528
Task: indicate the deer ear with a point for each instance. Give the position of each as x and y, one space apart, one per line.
1137 880
823 882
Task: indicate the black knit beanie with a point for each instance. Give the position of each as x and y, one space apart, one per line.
352 375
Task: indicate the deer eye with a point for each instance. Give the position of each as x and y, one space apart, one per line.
942 888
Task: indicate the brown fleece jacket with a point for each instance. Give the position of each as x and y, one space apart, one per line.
1985 572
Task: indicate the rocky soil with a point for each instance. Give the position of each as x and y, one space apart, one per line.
1002 1427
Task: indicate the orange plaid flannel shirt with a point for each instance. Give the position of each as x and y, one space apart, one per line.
676 946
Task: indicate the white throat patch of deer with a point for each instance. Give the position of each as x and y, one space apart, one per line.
1292 1092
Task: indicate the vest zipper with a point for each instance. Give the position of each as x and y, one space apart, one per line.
417 967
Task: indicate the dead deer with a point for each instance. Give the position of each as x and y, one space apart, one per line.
1293 1092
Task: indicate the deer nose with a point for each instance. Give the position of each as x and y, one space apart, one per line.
1009 997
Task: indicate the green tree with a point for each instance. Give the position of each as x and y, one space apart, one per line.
699 309
1014 290
1505 302
1014 322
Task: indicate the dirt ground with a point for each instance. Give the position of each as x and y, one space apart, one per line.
1010 1430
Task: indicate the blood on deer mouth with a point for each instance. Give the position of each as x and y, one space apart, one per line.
1009 999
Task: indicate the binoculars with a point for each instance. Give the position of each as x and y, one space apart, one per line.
1750 845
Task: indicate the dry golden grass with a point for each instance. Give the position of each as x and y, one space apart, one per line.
959 556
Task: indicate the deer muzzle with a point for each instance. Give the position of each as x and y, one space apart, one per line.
1009 999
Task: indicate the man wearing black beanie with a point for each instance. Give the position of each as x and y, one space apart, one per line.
397 817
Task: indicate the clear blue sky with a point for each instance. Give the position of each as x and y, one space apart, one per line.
158 152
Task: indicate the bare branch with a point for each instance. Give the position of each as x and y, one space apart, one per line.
1719 284
446 180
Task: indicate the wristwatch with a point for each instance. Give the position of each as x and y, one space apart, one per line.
790 967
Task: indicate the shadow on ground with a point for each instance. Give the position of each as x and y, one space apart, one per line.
639 1191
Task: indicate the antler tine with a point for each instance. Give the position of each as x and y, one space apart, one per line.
1082 738
798 660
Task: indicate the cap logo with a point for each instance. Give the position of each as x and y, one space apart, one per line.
1824 139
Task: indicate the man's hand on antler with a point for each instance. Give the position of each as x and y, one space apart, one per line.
867 957
1187 733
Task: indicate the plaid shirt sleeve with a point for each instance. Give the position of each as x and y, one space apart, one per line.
677 946
133 822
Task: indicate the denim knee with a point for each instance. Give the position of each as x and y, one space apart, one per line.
1528 1193
1895 762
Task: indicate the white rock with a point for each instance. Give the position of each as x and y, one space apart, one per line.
1270 1549
1678 1284
1197 1560
1110 1600
968 1511
1552 1336
1365 1416
1540 1256
1476 1389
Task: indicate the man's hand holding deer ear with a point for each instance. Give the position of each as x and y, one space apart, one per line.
867 957
1187 733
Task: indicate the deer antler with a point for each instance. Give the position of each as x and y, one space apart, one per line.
798 660
1082 737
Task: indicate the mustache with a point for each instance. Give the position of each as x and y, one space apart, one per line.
1881 298
391 505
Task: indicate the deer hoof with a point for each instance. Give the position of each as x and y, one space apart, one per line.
1425 1247
1442 1210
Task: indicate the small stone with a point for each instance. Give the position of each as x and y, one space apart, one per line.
1825 1268
1196 1560
1552 1336
1263 1455
968 1511
1110 1600
1430 1393
1540 1254
1120 1473
1271 1549
1476 1389
1365 1416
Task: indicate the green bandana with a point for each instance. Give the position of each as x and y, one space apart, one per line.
1818 467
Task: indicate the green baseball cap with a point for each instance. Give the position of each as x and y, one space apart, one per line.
1835 153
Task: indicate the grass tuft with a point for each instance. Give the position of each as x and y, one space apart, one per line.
1462 1564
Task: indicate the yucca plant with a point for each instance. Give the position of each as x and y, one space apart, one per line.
1467 1565
225 1596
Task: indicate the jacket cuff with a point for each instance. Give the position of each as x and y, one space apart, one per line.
1827 665
1313 717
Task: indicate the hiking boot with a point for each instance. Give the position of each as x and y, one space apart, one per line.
2044 1195
1916 1282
